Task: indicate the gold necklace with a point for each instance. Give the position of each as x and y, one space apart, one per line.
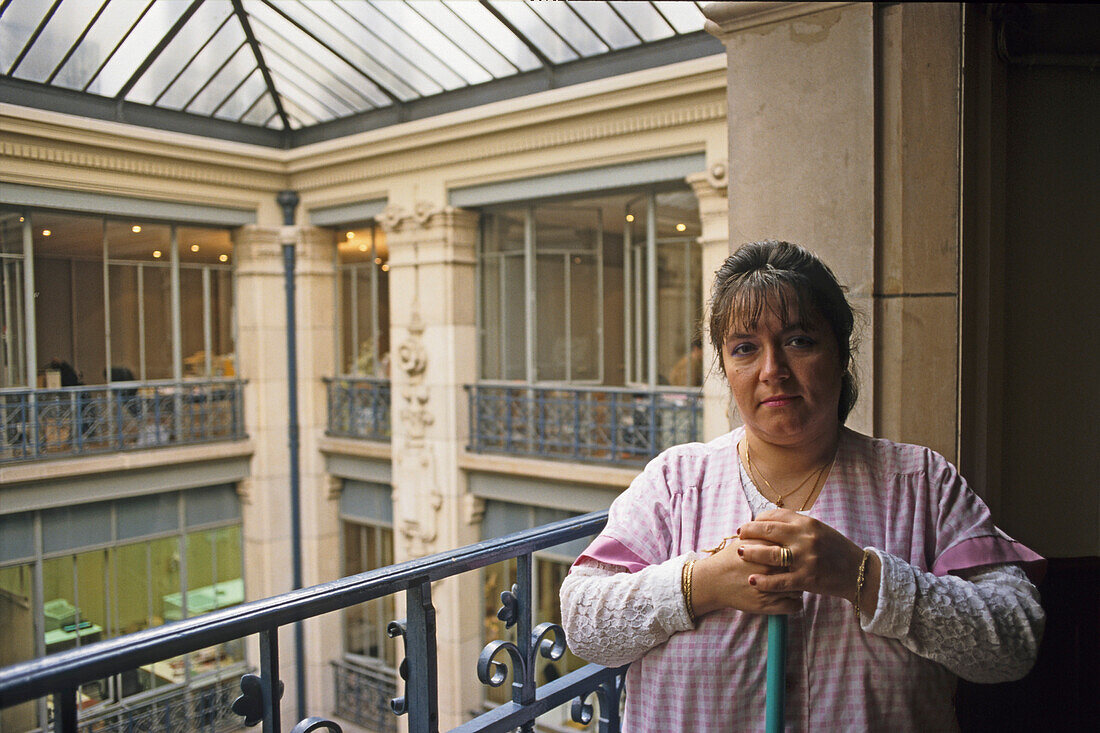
781 497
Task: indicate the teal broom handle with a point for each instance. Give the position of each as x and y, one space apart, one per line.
777 673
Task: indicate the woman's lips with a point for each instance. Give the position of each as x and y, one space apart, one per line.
779 400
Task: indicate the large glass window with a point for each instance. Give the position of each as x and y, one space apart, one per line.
603 290
113 297
369 547
113 568
363 297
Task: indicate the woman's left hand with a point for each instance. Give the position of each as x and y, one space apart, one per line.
822 560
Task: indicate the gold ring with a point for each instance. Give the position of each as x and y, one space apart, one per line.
786 557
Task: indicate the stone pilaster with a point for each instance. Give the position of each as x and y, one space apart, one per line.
710 189
801 93
261 313
432 263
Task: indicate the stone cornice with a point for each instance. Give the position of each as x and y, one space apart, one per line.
724 18
43 150
513 142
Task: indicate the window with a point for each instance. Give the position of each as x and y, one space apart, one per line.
118 300
369 547
363 299
113 568
602 290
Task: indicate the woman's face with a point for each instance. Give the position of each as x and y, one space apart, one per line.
785 375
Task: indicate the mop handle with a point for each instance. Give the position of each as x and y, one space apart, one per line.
777 673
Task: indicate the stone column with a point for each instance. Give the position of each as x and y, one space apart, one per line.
802 140
432 262
916 310
265 496
710 189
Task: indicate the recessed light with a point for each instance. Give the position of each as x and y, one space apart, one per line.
385 268
681 227
135 229
378 260
630 217
351 235
194 248
223 258
46 232
156 254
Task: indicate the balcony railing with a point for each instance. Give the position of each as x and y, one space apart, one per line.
60 675
590 424
53 423
359 407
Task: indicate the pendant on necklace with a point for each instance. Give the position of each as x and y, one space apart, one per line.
779 503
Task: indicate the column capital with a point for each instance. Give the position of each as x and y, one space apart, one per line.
725 19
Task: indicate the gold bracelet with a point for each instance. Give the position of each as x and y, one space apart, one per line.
860 579
685 588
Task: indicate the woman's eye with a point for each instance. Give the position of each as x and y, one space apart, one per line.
741 349
801 341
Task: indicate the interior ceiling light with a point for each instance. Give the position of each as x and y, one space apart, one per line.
378 260
681 227
630 217
385 268
46 232
20 220
351 235
156 254
194 248
363 247
223 258
135 229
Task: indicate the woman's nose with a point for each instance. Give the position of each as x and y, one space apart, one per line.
775 365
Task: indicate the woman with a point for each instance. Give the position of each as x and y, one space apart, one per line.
892 573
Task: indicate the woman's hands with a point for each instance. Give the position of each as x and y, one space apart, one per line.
721 580
823 561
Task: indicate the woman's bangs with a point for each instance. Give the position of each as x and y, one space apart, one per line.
761 294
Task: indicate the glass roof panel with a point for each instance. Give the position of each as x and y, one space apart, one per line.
685 17
142 39
350 39
261 111
319 99
224 82
610 26
297 113
204 65
534 27
80 70
327 71
498 36
466 39
400 51
644 19
60 33
197 31
242 97
564 21
441 54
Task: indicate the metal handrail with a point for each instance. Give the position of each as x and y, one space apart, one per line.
358 407
61 674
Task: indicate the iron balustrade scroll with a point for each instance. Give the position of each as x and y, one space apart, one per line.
70 421
60 675
359 407
610 425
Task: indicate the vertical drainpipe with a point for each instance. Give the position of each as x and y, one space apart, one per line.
288 200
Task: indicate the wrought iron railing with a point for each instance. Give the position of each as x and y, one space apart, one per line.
590 424
60 675
359 407
363 695
52 423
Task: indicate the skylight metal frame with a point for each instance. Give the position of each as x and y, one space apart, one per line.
493 59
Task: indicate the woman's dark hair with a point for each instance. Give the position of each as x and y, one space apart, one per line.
766 275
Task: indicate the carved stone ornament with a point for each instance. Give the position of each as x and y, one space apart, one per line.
391 216
420 501
718 175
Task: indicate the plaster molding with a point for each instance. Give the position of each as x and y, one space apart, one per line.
515 141
726 18
102 160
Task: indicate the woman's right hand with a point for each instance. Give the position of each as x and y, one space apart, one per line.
721 581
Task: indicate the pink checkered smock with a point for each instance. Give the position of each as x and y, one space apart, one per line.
902 499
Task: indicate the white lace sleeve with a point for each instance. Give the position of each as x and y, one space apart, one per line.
612 617
985 627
